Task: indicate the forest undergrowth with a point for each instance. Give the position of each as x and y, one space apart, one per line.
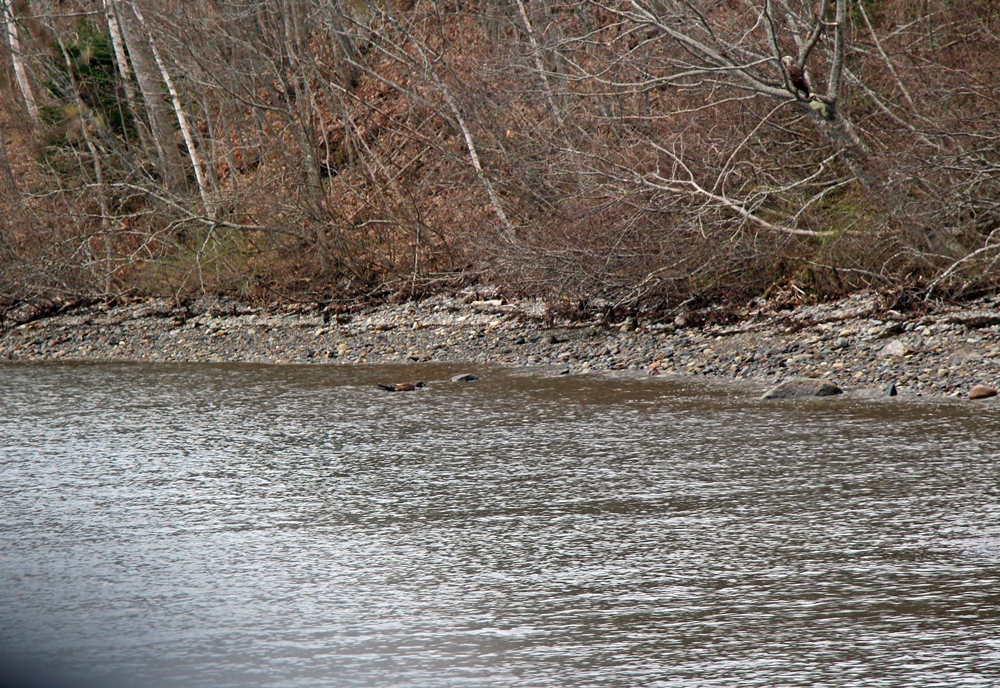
627 156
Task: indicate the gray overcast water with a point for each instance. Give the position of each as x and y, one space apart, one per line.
199 525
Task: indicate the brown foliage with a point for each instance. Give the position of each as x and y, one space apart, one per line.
578 151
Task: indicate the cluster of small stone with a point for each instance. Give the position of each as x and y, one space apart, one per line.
929 357
849 343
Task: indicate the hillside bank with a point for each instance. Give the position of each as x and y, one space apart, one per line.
573 151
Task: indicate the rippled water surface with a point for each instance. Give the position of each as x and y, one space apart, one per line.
198 525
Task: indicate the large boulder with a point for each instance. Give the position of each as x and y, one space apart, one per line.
801 387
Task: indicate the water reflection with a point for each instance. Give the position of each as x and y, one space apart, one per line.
201 525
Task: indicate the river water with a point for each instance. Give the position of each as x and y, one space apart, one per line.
198 525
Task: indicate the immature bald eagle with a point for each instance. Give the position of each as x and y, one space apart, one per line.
796 75
402 386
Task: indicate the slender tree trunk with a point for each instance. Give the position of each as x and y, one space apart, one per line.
20 73
147 76
212 146
303 101
9 183
537 55
181 118
131 97
347 67
507 228
98 174
234 177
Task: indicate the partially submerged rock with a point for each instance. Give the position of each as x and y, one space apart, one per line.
982 392
802 387
465 377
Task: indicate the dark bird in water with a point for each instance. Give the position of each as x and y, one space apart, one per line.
401 386
796 75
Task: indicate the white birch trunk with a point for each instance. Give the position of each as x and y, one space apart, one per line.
121 59
146 75
20 73
182 121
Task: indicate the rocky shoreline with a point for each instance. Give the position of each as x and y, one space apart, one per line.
854 343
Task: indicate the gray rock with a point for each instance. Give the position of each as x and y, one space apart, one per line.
465 377
890 391
802 387
963 356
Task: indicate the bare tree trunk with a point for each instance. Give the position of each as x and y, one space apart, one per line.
303 99
429 68
147 76
181 119
131 97
537 55
98 173
349 71
212 146
17 58
9 183
825 113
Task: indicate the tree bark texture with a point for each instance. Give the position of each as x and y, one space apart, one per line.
148 77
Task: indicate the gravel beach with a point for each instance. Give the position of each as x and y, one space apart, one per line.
854 343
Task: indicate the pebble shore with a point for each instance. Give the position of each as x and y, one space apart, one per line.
853 343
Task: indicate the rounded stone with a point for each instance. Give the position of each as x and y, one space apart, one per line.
982 392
